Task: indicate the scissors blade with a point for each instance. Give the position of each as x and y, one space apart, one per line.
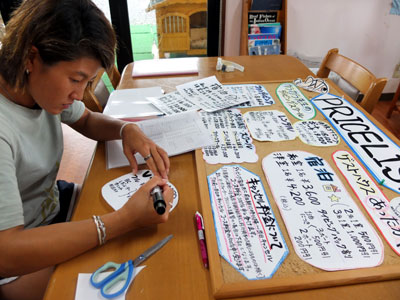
149 252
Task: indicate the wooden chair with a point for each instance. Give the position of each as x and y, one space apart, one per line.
393 104
355 74
90 99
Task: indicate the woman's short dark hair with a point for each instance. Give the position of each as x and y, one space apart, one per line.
62 30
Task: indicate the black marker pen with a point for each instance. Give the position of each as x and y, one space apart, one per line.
158 200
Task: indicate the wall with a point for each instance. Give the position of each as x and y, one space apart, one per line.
233 18
361 29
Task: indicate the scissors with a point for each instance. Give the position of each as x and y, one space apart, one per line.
122 272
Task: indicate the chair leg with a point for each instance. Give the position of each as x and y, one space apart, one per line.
393 104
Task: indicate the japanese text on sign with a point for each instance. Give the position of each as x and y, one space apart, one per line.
173 103
295 102
256 94
326 227
209 94
371 197
248 235
232 139
316 133
269 125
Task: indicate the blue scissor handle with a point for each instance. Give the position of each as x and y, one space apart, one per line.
122 272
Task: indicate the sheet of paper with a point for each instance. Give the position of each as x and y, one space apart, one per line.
176 134
165 66
232 141
256 94
85 290
316 133
173 103
132 103
209 94
269 125
371 197
118 191
295 102
373 147
248 234
325 225
313 84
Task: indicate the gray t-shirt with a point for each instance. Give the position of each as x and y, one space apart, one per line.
31 146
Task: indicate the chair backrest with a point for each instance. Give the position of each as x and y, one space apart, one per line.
355 74
90 99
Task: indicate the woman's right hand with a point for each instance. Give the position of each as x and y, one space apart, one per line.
139 210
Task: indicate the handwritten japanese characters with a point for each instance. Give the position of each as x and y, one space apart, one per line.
326 227
395 206
233 143
173 103
118 191
248 234
374 148
316 133
209 94
269 125
313 84
371 197
256 94
295 102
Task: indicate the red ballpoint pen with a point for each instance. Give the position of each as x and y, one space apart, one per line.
202 240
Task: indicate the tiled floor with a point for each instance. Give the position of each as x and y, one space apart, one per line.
78 149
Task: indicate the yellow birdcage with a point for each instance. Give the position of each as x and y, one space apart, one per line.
181 26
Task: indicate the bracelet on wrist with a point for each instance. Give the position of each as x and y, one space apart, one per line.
122 128
101 229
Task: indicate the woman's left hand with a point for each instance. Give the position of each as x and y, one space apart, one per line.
134 140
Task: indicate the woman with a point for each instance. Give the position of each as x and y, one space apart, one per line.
51 51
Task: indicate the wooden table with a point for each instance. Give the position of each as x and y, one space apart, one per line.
176 271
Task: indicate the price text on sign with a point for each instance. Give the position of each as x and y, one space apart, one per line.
325 225
371 197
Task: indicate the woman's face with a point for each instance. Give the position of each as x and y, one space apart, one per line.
54 88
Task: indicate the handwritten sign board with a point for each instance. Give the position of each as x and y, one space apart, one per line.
173 103
294 273
371 197
316 133
326 227
118 191
233 143
269 125
209 94
374 148
256 94
248 235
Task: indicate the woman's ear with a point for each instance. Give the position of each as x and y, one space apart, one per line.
33 59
